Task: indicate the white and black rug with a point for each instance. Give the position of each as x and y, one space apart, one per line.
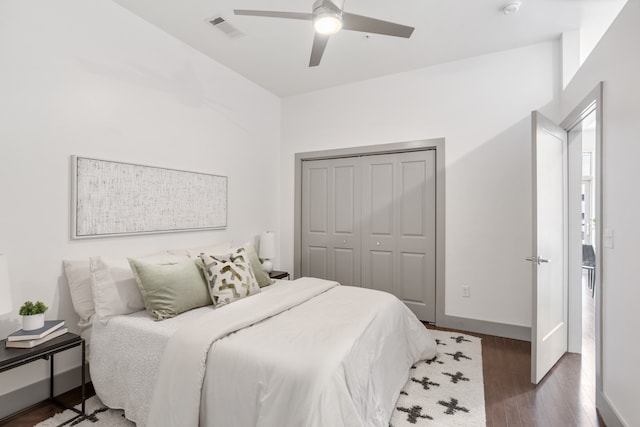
445 391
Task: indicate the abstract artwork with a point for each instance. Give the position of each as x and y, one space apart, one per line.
115 198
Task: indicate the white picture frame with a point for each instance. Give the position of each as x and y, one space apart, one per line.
112 198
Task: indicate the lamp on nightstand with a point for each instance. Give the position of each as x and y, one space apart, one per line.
267 250
5 287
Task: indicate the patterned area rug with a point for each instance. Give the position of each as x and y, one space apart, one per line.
444 391
447 390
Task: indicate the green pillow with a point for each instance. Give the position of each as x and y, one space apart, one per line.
261 276
170 289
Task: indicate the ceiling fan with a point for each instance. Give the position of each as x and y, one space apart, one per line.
328 18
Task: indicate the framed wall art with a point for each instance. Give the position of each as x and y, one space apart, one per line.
115 198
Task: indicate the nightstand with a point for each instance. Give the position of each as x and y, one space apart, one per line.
279 275
13 357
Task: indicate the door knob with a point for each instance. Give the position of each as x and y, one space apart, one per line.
344 242
377 243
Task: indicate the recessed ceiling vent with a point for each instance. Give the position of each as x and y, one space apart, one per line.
221 24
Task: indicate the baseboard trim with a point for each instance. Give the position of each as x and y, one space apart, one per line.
515 332
607 412
35 393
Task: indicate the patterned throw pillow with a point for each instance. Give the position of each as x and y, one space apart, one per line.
230 277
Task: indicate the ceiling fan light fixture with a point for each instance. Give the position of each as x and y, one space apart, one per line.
327 22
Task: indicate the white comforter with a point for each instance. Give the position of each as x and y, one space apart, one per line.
339 358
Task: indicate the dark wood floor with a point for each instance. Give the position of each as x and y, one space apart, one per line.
565 397
43 410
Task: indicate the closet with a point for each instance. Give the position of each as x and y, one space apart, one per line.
370 221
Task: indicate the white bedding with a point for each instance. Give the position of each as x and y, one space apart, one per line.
338 359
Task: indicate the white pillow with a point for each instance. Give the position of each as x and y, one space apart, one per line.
79 280
219 249
115 290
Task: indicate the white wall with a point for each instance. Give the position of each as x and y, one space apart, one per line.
594 23
481 106
90 78
616 61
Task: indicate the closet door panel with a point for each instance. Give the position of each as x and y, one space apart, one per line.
345 238
317 262
345 266
316 216
378 222
331 204
318 204
381 267
380 186
412 270
415 187
412 198
345 199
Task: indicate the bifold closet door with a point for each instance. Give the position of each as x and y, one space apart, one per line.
331 212
398 228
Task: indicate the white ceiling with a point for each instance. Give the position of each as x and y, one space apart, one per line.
274 53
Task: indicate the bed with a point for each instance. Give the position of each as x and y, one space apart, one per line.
307 352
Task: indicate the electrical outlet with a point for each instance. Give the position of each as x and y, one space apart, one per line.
466 291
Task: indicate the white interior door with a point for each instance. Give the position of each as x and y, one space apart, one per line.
549 258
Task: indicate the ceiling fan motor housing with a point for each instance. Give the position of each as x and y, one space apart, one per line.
327 18
322 6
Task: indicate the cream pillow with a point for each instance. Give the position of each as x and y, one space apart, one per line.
115 290
229 277
219 249
79 281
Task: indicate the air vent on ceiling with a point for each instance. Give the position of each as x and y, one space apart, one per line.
223 25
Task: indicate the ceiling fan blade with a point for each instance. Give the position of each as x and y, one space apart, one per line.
370 25
319 44
271 14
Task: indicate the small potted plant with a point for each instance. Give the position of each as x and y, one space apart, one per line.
32 315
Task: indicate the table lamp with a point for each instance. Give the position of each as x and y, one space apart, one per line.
5 287
267 249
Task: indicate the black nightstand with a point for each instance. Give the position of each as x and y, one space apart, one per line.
279 275
13 357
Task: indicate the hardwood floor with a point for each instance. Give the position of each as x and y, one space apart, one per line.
565 398
46 409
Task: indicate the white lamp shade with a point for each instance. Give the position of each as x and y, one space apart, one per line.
268 245
5 287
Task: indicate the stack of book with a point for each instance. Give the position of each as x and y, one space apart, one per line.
30 339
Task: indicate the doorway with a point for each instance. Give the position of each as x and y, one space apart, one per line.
583 123
584 127
584 136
